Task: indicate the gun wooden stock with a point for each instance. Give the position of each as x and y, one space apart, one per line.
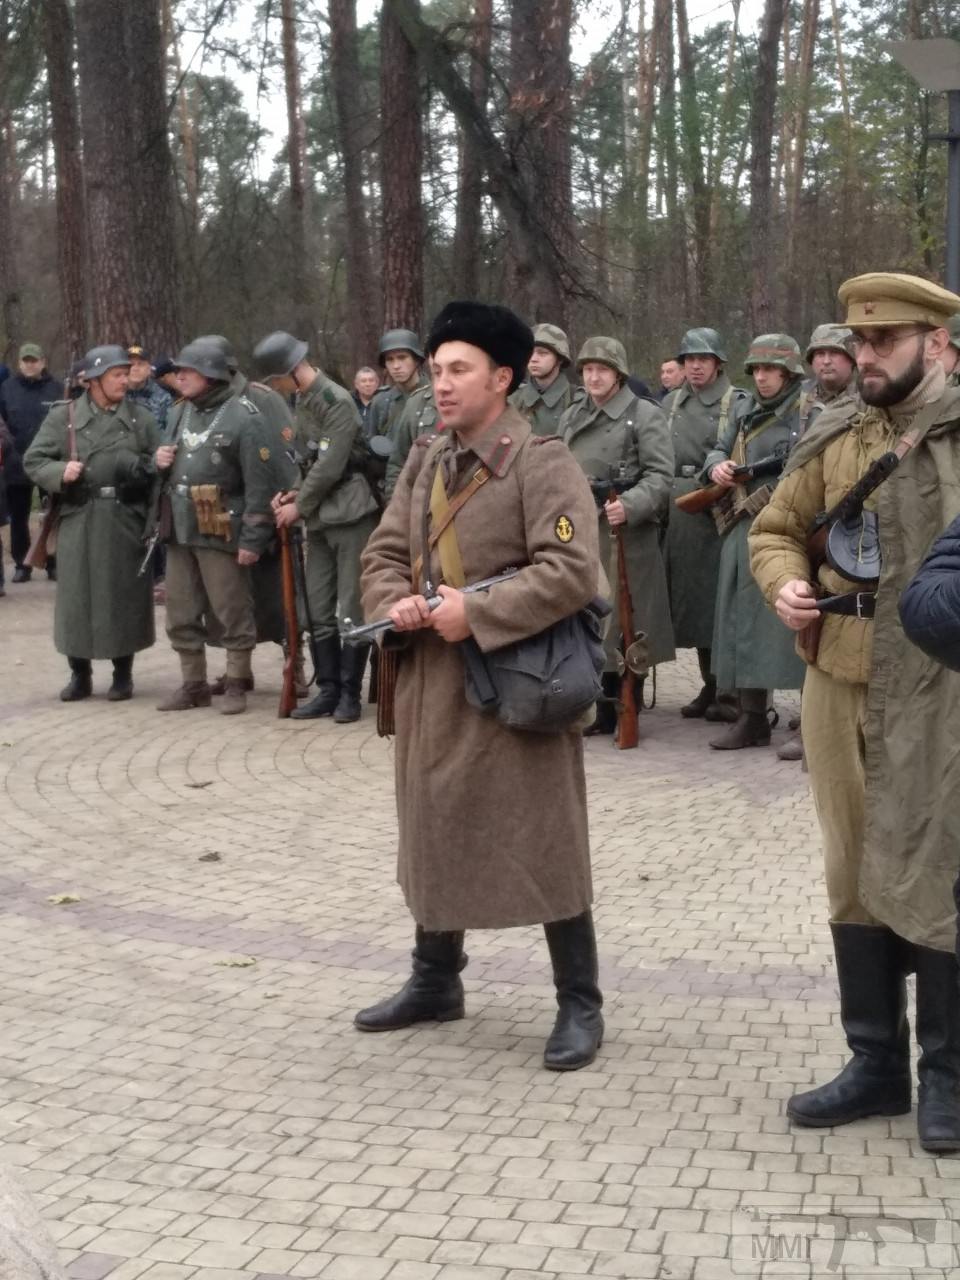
628 730
44 543
288 689
698 500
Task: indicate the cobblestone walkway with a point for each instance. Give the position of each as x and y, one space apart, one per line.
182 1090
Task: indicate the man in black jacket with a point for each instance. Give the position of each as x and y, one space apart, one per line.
25 400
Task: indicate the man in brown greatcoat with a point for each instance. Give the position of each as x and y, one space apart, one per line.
493 822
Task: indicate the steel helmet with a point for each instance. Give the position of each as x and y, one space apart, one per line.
608 351
205 358
278 354
554 339
701 342
775 348
399 340
99 359
830 337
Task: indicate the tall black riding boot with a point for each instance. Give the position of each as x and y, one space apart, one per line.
80 684
122 687
938 1034
707 696
606 716
578 1031
433 992
353 661
873 1002
328 681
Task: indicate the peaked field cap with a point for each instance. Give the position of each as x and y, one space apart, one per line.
890 297
498 331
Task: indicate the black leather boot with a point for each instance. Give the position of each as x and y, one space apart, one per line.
353 662
707 696
433 992
606 716
578 1031
873 1005
938 1034
80 684
122 687
324 703
752 729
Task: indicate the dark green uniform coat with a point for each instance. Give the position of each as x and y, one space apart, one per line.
628 437
419 418
221 443
691 549
752 649
544 409
814 400
104 609
387 408
330 435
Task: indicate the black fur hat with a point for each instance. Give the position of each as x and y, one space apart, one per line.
498 331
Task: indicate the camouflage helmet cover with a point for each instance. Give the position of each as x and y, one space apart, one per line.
205 358
399 340
777 349
278 354
554 339
702 342
99 359
830 337
610 351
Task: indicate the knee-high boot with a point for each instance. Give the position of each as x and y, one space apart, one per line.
578 1031
938 1034
871 970
432 993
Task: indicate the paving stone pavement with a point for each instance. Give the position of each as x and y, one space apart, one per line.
182 1114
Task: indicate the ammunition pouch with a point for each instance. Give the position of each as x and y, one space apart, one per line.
212 520
731 509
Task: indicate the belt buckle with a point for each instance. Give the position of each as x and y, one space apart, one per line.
860 599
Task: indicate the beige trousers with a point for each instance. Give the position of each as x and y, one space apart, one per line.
833 717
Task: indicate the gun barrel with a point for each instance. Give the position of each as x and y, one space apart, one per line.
370 631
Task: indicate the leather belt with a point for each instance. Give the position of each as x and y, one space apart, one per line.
852 604
105 491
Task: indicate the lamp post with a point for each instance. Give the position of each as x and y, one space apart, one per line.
935 65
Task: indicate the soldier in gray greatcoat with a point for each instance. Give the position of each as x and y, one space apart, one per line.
752 652
622 440
547 393
336 501
697 414
96 455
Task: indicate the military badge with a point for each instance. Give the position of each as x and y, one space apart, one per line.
564 529
265 454
287 433
324 444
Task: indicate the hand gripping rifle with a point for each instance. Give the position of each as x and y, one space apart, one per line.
699 499
364 635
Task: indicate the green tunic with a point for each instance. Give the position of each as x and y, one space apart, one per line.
628 438
691 549
335 490
104 608
419 418
543 409
752 649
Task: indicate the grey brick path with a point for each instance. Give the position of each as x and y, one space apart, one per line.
180 1117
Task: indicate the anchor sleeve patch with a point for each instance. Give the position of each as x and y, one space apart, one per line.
564 529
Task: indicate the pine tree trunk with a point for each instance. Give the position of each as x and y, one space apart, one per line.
762 115
10 315
699 252
401 148
296 166
793 309
466 241
71 217
129 174
363 303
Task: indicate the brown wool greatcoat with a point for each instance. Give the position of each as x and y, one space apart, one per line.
493 822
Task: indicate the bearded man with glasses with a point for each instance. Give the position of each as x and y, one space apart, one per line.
879 717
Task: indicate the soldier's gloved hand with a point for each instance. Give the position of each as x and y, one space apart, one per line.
164 457
722 474
615 513
72 471
450 618
286 514
247 558
797 604
410 614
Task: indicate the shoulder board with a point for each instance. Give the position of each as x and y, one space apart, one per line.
54 403
536 441
261 386
248 404
424 442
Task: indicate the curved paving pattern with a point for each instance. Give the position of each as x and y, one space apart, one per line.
180 1118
